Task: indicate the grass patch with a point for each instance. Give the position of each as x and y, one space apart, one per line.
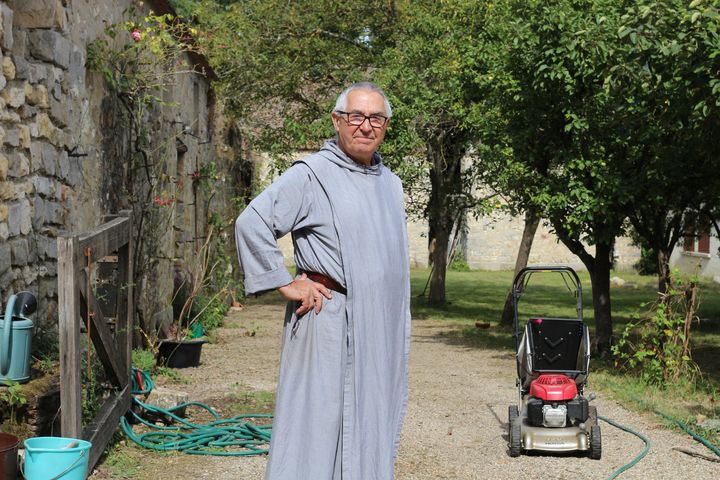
244 400
123 461
688 402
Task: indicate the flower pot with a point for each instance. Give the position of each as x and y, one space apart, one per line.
180 353
8 455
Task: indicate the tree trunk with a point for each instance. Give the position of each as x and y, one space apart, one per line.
437 276
600 278
445 155
663 271
532 220
599 269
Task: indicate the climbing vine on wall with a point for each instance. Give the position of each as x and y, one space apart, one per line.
139 60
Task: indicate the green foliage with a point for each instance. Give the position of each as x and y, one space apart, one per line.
209 311
657 345
459 264
94 385
648 262
46 345
11 399
287 61
143 359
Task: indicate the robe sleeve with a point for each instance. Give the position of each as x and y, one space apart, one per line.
281 208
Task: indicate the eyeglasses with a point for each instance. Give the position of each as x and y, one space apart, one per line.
356 119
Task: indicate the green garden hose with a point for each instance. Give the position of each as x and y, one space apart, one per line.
680 424
645 451
636 459
221 437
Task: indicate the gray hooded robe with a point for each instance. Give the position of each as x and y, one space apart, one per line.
342 390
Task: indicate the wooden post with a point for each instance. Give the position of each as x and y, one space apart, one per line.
125 306
114 350
69 332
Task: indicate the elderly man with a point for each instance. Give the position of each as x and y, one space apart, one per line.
342 389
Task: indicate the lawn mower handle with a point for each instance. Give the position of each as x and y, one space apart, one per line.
518 284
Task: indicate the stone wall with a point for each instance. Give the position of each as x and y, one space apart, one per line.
63 149
492 243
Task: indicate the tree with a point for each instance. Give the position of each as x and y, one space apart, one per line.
435 76
553 109
667 84
282 64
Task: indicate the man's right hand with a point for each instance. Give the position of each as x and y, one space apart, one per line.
310 294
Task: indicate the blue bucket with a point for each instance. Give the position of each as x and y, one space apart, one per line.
56 458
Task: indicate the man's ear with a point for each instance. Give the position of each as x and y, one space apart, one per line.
335 119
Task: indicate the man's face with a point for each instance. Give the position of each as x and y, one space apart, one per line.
359 142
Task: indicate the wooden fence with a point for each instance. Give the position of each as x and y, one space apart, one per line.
111 336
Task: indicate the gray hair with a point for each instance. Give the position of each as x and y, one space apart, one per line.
341 103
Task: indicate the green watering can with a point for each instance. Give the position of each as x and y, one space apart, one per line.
15 338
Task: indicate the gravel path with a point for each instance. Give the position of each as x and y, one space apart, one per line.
456 421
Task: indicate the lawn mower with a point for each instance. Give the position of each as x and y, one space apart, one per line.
552 357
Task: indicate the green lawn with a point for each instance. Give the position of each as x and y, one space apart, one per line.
479 296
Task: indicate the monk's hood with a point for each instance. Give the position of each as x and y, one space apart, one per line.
333 153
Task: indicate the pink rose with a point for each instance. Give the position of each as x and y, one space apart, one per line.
136 35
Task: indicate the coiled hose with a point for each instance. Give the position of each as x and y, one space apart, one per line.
221 437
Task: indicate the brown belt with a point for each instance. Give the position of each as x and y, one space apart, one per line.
326 281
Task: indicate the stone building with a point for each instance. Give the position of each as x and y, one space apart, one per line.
67 156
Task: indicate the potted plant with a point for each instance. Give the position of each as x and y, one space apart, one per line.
182 346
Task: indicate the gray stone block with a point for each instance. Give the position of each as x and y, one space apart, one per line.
40 14
4 231
47 287
7 278
15 221
25 216
46 246
47 187
48 269
55 75
63 162
167 398
27 112
32 72
43 156
76 73
19 48
75 177
20 252
57 91
50 46
59 112
12 137
54 213
5 257
40 213
14 94
50 159
7 23
23 69
19 165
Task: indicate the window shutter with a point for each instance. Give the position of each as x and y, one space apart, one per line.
703 244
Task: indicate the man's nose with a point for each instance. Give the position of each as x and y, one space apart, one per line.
365 125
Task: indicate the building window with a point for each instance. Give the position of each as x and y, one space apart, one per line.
696 238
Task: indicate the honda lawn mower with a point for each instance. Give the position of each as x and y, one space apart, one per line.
553 356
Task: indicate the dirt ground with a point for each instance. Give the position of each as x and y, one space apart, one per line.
456 421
